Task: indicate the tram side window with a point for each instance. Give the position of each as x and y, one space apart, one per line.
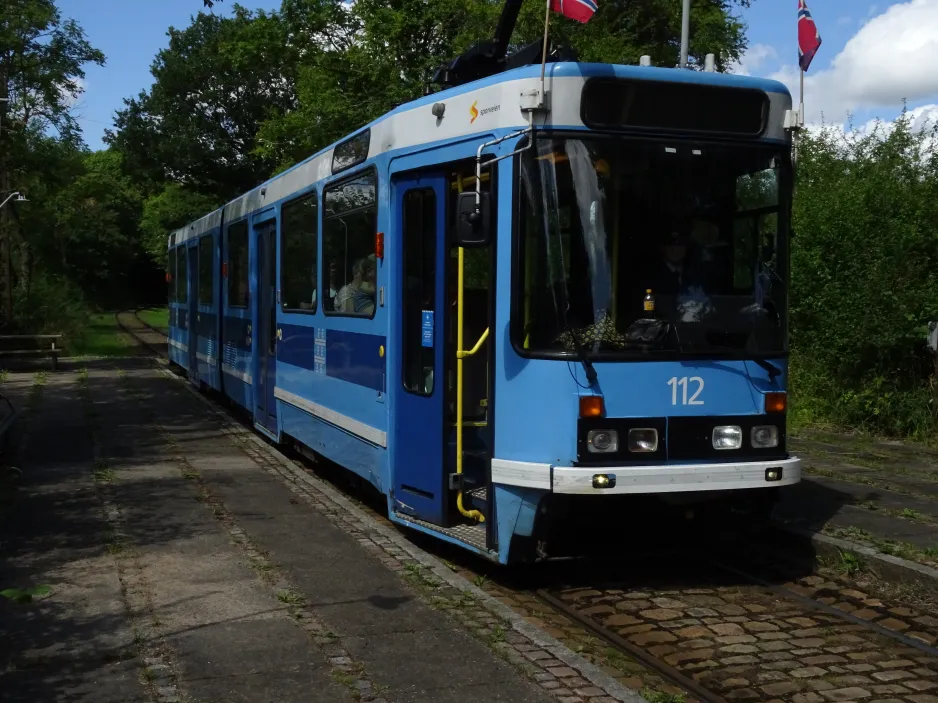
182 274
206 269
171 269
238 284
419 289
299 232
349 227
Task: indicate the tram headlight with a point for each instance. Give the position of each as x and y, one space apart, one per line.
643 440
727 437
602 441
764 436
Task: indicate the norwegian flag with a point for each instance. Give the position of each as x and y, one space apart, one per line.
809 39
579 10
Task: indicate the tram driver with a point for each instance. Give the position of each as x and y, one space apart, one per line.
681 275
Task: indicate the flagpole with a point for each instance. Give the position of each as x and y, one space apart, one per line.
544 48
801 103
685 34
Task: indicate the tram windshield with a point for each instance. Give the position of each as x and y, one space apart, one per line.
698 227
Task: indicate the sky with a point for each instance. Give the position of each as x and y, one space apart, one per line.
874 55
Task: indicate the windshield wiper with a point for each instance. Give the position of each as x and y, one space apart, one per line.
578 348
581 354
769 367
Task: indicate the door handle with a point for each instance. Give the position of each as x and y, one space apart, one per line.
279 334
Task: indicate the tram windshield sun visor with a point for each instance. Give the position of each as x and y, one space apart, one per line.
641 246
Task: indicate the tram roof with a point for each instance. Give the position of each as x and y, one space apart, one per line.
562 70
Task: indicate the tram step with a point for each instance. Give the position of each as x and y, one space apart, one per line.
473 534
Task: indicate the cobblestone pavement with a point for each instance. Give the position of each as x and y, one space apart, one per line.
749 643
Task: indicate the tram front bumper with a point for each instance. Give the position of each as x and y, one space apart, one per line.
675 478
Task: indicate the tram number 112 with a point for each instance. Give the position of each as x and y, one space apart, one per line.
696 381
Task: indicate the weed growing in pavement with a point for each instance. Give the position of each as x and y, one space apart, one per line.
911 514
290 597
903 550
661 697
102 472
26 595
850 563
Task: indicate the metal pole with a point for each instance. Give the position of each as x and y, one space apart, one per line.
544 48
685 33
801 105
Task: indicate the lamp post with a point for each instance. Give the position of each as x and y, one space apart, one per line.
7 263
20 198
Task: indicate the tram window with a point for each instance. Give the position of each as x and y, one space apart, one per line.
299 232
206 269
238 265
182 277
171 268
349 227
419 228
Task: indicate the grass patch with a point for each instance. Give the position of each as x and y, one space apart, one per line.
104 474
659 697
25 595
102 337
156 317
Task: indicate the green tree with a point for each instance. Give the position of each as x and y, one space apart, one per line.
373 55
214 85
167 211
42 59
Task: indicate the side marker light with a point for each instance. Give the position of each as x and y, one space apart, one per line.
773 474
604 481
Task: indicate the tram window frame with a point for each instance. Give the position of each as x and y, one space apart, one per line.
285 283
206 272
240 230
171 268
417 358
182 268
371 212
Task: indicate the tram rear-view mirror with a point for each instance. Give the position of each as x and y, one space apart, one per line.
473 229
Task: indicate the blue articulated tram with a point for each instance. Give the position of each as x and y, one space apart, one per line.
518 303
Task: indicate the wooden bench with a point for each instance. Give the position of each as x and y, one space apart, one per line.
31 345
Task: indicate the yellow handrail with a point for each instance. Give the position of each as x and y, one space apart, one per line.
460 355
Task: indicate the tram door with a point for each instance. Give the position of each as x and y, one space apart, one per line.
420 481
192 314
265 413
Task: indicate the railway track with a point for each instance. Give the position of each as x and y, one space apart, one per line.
723 633
747 621
150 337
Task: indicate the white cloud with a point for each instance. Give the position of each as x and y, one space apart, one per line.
891 58
754 58
924 117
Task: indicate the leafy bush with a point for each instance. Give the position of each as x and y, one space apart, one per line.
864 275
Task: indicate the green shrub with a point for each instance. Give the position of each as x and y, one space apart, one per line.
865 279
